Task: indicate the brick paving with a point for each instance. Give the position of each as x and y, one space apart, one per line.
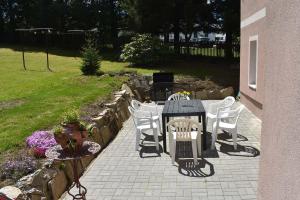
120 172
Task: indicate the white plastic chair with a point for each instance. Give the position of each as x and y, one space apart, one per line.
230 125
143 123
213 108
139 106
176 97
184 130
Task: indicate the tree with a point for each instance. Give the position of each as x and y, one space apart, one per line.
227 13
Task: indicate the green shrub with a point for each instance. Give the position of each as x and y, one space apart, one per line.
90 57
144 49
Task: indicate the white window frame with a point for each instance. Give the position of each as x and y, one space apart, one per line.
251 39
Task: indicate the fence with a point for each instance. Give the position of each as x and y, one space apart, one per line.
210 49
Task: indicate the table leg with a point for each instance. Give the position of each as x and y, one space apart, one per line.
204 135
164 133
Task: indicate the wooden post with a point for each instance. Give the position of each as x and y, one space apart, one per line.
47 51
23 49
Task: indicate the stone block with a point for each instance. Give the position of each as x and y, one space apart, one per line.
229 91
106 135
85 161
10 192
68 170
214 94
127 89
58 185
96 136
203 94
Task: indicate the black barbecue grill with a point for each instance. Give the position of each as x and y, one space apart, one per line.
162 85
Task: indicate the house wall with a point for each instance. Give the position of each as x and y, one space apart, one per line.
252 98
279 176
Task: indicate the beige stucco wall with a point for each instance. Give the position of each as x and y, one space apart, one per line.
279 177
248 7
253 99
255 107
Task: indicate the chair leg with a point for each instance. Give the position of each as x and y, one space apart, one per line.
173 151
138 138
159 126
214 138
155 134
234 138
206 119
199 144
194 148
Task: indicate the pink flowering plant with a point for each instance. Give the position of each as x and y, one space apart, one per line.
40 141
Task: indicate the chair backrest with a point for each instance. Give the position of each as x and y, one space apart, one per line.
176 97
233 115
139 106
183 128
135 104
228 101
224 105
140 117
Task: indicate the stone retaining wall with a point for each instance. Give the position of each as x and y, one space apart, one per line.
53 179
140 88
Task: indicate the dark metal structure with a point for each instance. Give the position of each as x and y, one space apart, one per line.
162 85
47 32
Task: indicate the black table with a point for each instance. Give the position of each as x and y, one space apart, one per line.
180 109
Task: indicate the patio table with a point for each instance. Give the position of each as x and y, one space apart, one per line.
183 108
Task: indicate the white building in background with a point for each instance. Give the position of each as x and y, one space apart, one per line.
199 36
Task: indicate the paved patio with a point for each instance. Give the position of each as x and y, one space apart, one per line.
120 172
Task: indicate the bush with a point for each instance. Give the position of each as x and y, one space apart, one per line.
18 167
40 141
90 57
144 49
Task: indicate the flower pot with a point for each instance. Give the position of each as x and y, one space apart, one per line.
84 134
77 139
70 127
75 136
62 139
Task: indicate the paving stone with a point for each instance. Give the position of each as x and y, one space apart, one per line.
120 172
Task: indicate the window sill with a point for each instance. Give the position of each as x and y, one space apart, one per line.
252 86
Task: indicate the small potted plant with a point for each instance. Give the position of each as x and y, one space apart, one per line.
60 137
71 120
74 129
83 129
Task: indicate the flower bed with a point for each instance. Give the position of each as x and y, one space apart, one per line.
54 177
18 167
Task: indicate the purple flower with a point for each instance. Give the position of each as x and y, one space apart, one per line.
40 141
18 167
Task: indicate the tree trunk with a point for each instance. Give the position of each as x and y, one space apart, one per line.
228 46
113 26
187 43
166 37
176 37
176 29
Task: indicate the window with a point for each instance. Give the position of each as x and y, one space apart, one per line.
253 53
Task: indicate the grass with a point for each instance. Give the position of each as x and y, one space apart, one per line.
35 99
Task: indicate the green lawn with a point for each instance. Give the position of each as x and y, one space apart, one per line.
35 99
